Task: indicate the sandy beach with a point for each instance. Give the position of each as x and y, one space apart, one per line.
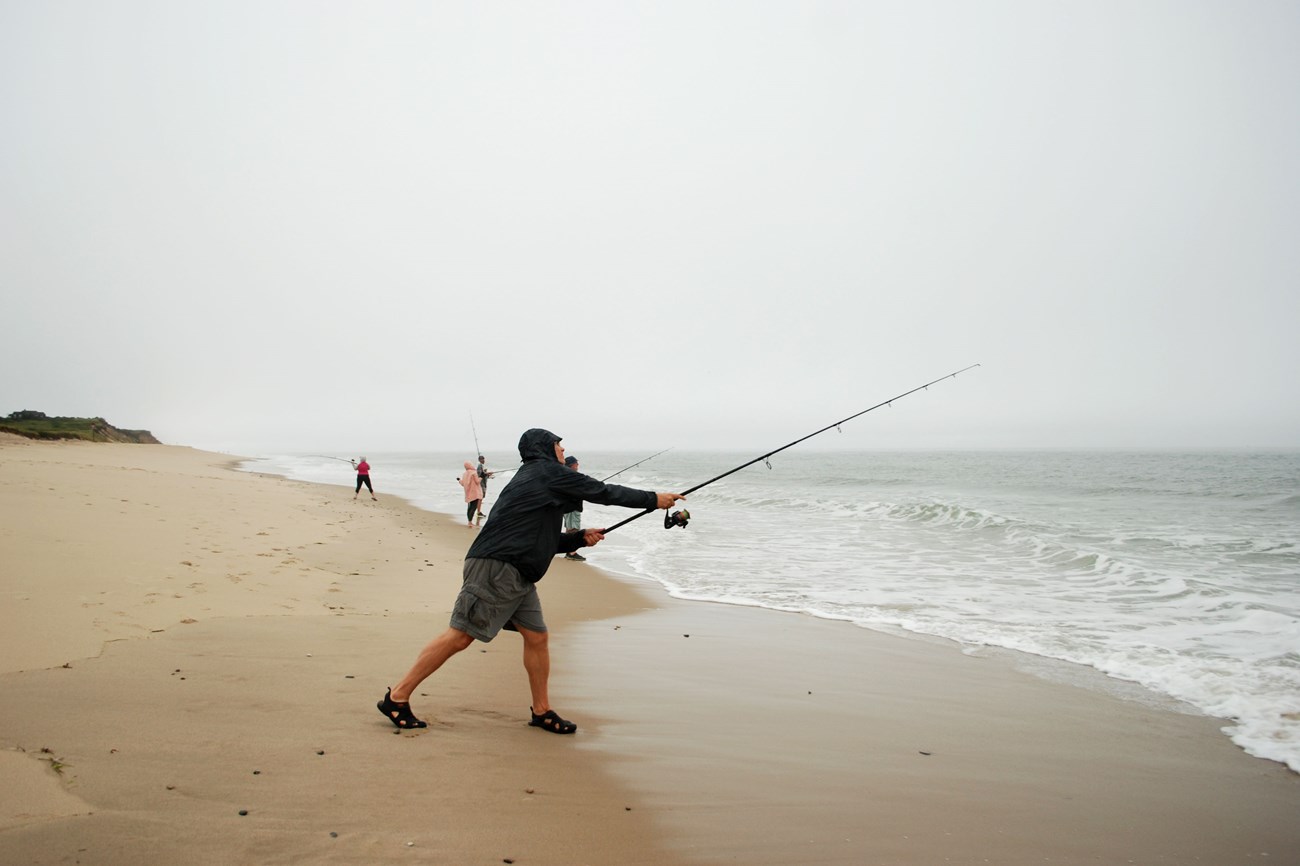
190 658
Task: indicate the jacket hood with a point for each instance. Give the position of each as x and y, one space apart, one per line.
537 444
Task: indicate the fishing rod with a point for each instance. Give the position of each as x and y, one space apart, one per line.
480 453
679 518
606 478
638 463
327 457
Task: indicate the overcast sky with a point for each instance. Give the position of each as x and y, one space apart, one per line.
276 226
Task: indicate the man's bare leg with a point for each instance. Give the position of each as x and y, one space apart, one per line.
437 651
537 661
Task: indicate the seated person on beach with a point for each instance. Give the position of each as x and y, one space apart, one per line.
505 562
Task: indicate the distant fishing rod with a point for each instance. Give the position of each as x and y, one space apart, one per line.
480 453
327 457
636 464
499 472
679 518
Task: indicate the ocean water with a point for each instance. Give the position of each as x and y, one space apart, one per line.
1178 572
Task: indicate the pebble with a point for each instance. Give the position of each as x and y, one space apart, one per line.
243 811
333 835
320 751
257 772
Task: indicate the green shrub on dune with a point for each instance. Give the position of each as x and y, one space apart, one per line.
37 425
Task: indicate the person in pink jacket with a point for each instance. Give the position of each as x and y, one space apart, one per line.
363 477
473 492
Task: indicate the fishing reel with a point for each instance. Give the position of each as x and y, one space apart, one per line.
677 518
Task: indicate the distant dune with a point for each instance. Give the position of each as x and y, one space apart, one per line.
37 425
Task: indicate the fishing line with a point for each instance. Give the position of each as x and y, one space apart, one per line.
636 464
680 518
607 477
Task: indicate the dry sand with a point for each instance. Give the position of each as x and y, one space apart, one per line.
182 642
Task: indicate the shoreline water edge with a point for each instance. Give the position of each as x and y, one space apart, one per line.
1176 575
193 653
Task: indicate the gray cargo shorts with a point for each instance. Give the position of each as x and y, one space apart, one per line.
494 596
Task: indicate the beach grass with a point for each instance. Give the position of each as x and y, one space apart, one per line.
37 425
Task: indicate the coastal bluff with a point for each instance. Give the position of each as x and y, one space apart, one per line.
37 425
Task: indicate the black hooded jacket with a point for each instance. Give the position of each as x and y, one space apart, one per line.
524 528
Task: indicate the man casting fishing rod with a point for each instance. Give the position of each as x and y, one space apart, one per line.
516 548
505 562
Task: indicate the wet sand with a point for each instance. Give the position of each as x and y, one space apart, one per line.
182 642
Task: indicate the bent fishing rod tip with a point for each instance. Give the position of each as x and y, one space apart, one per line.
671 520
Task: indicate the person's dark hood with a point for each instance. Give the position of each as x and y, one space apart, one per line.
537 444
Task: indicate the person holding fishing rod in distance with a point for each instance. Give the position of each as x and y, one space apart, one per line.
363 477
473 493
483 476
573 519
502 568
